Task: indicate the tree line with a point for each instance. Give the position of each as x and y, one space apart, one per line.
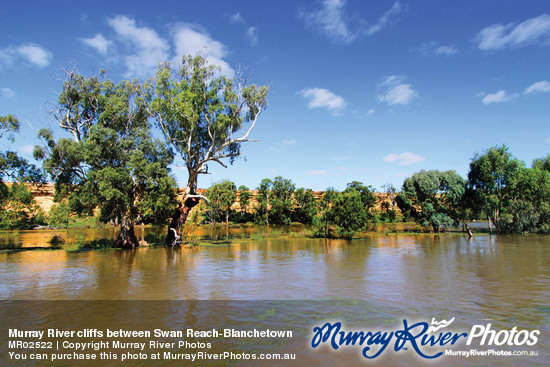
111 162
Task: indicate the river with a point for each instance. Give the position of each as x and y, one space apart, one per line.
373 282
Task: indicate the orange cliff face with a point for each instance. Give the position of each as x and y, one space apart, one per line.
44 193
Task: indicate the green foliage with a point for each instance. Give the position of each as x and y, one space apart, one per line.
9 125
491 178
325 213
201 113
275 201
263 201
281 201
305 206
18 207
388 206
433 198
244 198
59 215
527 204
221 197
542 164
350 214
112 162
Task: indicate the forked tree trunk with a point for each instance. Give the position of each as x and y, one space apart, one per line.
127 237
179 219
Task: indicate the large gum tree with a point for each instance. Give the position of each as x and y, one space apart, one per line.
111 161
205 117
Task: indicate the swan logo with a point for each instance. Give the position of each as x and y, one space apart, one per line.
439 325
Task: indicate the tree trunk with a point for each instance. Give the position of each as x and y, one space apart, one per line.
127 237
496 221
179 219
470 234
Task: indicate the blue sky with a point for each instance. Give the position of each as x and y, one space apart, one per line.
371 91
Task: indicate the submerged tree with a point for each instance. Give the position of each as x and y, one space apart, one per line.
433 198
112 162
203 116
325 213
491 178
350 214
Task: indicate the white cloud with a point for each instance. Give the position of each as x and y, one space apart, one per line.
98 43
371 112
498 36
405 158
538 87
288 142
321 172
446 50
32 53
147 47
283 144
433 48
329 19
252 33
384 20
497 97
190 40
395 91
35 54
323 98
237 18
7 93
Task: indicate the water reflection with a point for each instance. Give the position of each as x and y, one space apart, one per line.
502 279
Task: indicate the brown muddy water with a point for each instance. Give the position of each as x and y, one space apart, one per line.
371 283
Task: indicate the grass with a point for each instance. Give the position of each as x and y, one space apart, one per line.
9 244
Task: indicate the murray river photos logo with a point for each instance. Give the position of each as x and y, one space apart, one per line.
427 340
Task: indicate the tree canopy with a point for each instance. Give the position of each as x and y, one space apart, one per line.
433 198
491 176
112 162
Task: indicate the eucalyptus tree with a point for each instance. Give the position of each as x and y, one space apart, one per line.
111 160
221 197
433 198
263 201
305 206
368 198
245 197
325 212
491 178
350 213
204 117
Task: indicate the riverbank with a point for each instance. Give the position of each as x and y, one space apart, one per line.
89 238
